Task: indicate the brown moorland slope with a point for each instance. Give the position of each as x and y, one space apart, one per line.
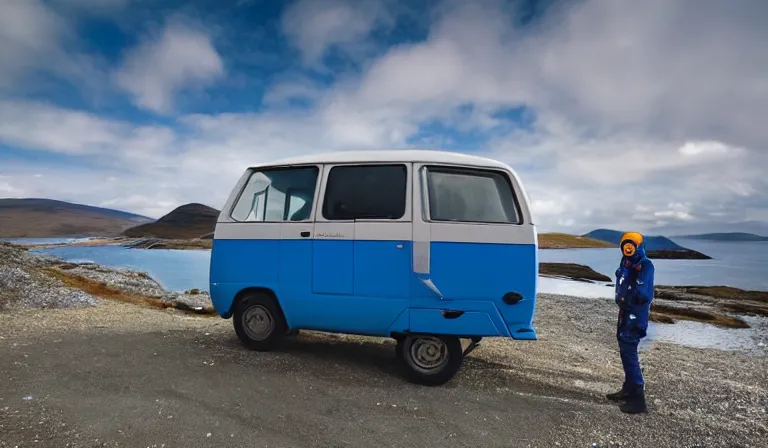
41 218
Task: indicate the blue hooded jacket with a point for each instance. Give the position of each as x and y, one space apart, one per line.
634 286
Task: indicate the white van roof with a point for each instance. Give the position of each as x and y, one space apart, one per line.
393 155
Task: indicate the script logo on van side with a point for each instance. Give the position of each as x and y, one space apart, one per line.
330 235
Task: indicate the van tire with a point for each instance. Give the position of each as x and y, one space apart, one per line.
269 326
429 360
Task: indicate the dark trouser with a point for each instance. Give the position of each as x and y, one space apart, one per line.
629 332
633 376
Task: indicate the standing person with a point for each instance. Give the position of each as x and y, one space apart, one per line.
634 293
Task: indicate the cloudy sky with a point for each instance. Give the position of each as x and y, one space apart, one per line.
615 113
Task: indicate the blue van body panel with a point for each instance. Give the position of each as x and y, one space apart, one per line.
245 260
497 328
352 314
383 268
482 273
240 264
402 324
334 266
295 279
369 287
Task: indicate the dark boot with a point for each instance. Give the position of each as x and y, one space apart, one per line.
620 395
635 402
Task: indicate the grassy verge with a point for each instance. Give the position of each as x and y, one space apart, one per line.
566 241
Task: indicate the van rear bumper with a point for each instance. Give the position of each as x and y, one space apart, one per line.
522 332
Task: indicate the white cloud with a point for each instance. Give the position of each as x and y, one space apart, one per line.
297 88
544 207
7 190
315 26
694 149
180 58
40 126
91 7
153 206
675 211
30 35
94 4
39 44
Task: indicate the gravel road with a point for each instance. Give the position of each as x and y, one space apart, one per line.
119 375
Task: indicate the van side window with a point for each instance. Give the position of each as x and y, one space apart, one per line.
277 194
471 195
365 192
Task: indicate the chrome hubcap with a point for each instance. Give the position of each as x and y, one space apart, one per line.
429 353
258 323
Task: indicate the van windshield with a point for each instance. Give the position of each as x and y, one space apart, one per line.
471 195
277 194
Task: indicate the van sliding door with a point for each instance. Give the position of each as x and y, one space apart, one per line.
362 247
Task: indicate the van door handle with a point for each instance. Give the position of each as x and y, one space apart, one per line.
305 234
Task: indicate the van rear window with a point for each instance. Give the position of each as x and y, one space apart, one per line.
471 195
365 192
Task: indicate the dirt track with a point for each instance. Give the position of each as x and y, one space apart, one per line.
119 375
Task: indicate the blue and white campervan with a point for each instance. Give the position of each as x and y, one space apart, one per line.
426 247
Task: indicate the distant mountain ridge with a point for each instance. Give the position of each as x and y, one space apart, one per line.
753 227
39 218
726 236
651 242
184 222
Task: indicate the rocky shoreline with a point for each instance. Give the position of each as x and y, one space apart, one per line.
721 306
159 243
134 243
44 281
680 254
572 271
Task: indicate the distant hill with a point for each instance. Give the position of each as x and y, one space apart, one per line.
44 218
651 242
726 236
185 222
567 241
659 247
753 227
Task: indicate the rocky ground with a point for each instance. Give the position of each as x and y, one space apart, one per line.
117 374
25 284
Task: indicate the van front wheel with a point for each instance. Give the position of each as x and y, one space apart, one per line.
430 360
259 322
